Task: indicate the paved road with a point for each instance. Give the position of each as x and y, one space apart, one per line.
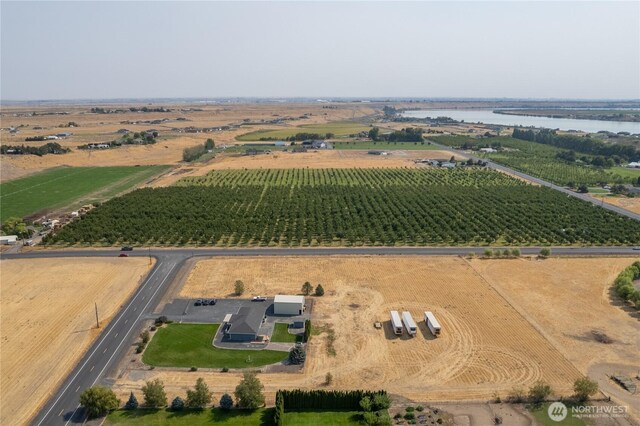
105 354
63 407
542 182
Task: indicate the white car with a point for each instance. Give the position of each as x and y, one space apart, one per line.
258 299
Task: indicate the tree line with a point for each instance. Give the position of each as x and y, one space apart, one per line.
410 134
193 153
48 148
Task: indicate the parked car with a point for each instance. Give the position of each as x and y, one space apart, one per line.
212 302
637 248
123 255
126 248
198 302
259 299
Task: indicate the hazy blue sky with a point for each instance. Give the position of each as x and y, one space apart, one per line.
73 50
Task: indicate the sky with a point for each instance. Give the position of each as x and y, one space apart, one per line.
106 50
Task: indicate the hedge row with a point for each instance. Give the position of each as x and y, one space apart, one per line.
624 284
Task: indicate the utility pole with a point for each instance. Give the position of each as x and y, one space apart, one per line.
97 320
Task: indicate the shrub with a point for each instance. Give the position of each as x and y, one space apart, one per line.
177 404
145 336
506 253
140 347
226 402
238 288
297 355
307 331
515 252
381 402
539 392
161 320
583 388
397 416
545 252
419 408
488 253
193 369
410 409
132 403
516 395
225 369
328 379
319 290
409 416
366 404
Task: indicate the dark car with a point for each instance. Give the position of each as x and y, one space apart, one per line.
198 302
123 255
212 302
126 248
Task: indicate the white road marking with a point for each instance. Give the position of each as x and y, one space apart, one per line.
94 351
92 367
78 389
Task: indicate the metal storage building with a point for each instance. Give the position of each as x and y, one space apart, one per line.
288 305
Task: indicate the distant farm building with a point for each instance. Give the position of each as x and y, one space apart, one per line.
633 165
8 239
315 144
288 305
244 326
488 150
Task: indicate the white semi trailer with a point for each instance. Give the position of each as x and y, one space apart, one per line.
432 323
396 324
409 323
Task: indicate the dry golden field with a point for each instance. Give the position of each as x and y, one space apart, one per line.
631 204
48 322
491 342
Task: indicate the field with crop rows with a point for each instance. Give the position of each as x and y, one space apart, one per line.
66 185
540 160
349 207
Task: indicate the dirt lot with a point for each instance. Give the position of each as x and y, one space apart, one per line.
48 321
631 204
487 344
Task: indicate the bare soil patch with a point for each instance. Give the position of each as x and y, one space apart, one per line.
48 322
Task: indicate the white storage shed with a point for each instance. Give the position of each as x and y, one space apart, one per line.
288 305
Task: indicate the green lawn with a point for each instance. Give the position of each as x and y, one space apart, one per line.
338 128
388 146
281 334
319 417
66 186
260 417
191 417
190 345
541 415
625 172
597 190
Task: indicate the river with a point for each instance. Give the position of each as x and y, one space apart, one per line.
489 117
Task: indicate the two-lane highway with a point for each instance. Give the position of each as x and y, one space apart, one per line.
110 347
107 351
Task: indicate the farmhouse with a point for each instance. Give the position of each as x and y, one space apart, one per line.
8 239
288 305
244 326
633 165
315 144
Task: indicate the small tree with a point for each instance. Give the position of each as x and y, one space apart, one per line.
488 253
545 252
297 355
209 144
132 403
226 402
319 290
381 402
154 394
539 392
583 388
238 288
177 404
515 252
98 401
200 396
249 392
307 288
506 253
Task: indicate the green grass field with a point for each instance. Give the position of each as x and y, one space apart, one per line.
338 128
625 172
67 186
190 345
260 417
281 334
386 146
191 417
541 415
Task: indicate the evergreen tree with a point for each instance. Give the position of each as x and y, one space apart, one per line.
132 403
177 404
226 402
319 290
